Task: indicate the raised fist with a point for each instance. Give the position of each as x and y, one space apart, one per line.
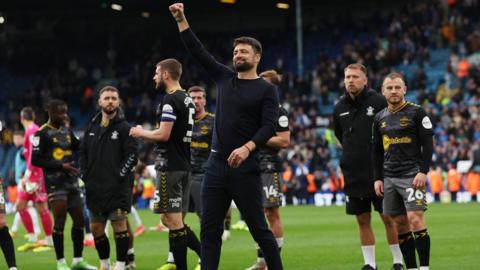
177 11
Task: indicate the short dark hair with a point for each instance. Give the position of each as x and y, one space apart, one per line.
256 45
54 104
357 66
394 75
197 88
28 113
19 132
108 88
173 66
275 78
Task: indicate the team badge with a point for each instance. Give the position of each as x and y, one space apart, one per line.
115 135
383 125
204 130
404 121
370 111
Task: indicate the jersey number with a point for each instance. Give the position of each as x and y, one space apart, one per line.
156 198
414 194
191 112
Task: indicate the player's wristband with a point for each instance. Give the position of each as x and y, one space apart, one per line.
247 148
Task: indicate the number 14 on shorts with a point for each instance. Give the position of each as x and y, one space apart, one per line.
270 191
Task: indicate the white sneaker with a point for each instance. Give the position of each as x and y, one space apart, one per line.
259 265
225 235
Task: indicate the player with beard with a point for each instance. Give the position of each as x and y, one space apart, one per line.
352 118
200 147
247 109
402 153
173 136
107 157
53 151
199 152
6 242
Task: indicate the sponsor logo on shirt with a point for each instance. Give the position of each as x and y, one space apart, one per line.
58 153
387 141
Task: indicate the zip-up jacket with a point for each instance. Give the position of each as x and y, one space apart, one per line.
107 156
353 120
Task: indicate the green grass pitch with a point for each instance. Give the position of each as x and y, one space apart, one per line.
315 238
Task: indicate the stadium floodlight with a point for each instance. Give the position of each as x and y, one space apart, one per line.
228 1
116 7
2 19
281 5
146 14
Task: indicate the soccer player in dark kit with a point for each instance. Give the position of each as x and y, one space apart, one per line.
247 108
107 157
199 152
201 143
53 150
271 167
402 153
173 136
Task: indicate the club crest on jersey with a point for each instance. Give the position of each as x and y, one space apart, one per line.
404 121
114 135
383 125
204 130
370 111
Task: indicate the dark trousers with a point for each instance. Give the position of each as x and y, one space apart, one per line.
454 196
243 185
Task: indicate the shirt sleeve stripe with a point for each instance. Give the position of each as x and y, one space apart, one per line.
170 116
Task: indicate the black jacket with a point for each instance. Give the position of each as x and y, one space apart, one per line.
107 156
353 121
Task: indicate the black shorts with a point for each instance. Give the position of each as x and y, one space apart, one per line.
72 195
114 215
357 206
272 193
173 192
